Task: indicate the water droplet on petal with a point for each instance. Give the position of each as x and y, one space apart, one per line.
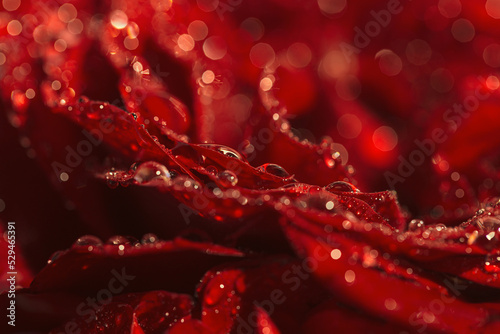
228 178
274 169
488 224
150 171
88 240
149 238
440 227
227 151
341 186
415 225
121 240
212 170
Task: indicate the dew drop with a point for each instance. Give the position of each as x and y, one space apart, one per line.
274 169
149 238
341 186
185 152
88 240
349 276
440 227
227 151
415 225
150 171
488 224
121 240
228 178
212 170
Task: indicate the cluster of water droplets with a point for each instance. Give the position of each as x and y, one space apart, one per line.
149 173
91 243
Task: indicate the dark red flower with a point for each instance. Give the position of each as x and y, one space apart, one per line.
305 167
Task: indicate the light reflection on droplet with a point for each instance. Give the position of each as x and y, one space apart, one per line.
266 84
208 5
418 52
161 5
349 126
215 47
208 77
30 93
11 5
133 30
336 254
67 12
130 43
493 8
455 176
349 276
119 19
254 27
60 45
385 138
56 85
75 27
492 82
262 54
64 176
299 55
390 63
463 30
346 224
449 8
428 317
137 66
390 304
14 27
198 30
185 42
444 165
491 55
334 64
2 58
